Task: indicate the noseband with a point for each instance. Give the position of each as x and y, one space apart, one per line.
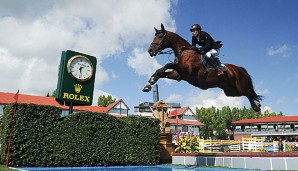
157 46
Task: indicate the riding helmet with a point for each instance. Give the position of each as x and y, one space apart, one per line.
195 27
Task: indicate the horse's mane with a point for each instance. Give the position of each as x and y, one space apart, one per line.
178 37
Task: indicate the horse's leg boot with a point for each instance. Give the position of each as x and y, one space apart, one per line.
147 87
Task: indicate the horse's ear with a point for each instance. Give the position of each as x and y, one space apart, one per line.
162 27
155 30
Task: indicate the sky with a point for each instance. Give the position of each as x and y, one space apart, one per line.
260 36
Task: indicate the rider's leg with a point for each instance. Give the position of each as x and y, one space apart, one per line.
212 55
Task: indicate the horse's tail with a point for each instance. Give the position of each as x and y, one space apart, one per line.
255 96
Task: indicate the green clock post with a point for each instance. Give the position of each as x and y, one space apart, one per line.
76 79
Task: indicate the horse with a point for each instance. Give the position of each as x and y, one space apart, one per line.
188 66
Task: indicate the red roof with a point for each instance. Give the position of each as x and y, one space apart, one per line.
178 111
6 98
272 119
185 122
181 111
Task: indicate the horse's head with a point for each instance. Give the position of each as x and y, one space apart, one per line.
159 42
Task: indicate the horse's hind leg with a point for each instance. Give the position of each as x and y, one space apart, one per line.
249 93
254 99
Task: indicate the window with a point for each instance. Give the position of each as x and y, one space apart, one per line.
259 127
118 111
189 117
293 127
242 128
1 109
275 126
64 113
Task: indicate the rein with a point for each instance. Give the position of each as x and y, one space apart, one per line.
171 51
166 52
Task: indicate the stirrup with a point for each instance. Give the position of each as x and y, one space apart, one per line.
219 71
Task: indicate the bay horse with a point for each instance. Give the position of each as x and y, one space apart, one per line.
188 66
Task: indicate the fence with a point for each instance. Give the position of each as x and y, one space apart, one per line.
247 144
252 144
219 146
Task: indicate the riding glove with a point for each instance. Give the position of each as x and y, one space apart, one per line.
197 49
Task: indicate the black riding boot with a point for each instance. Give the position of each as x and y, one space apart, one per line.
217 65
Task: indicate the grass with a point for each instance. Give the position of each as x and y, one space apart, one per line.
3 168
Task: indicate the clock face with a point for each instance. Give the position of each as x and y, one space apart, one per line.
80 68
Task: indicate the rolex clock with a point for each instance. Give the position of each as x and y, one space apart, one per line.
76 79
80 68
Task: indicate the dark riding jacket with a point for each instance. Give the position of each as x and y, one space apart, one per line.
206 42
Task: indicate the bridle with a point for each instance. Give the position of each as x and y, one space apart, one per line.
157 46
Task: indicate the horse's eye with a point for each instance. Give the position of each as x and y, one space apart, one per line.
160 36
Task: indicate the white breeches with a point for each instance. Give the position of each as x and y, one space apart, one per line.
214 52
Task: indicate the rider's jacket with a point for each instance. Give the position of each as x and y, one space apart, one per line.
206 42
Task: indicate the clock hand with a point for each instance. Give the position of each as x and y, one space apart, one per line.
80 71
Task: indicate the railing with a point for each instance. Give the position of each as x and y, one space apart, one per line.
266 131
207 146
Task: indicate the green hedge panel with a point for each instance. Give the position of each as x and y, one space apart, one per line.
42 138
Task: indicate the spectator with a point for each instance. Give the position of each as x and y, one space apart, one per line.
280 146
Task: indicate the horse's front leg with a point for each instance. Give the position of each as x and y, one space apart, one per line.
160 73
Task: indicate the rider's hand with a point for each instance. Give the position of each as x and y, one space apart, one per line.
195 48
202 51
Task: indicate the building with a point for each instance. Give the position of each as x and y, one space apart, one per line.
118 108
184 120
181 120
268 128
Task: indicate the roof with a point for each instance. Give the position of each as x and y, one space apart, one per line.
272 119
112 105
178 111
6 98
185 122
181 111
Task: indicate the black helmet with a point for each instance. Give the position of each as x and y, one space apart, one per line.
195 27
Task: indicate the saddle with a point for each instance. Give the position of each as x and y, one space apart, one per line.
209 63
213 64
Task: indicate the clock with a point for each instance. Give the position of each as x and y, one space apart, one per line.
80 68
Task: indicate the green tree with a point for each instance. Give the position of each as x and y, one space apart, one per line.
104 101
53 94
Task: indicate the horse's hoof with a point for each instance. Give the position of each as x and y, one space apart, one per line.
147 88
257 107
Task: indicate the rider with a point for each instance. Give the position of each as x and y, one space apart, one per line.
209 47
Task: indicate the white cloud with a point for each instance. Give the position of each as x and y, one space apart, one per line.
174 98
141 63
114 75
33 34
207 98
98 93
283 50
263 92
267 108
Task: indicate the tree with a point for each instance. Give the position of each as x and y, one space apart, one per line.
104 101
53 94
